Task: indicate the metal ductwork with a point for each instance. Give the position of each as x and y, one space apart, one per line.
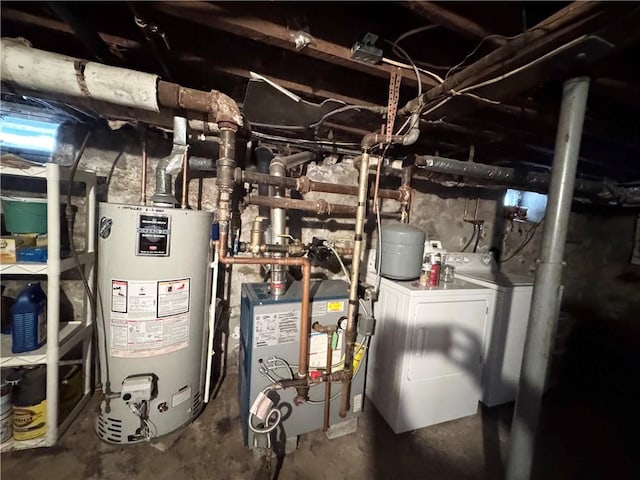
171 164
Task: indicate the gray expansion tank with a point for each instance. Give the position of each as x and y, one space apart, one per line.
402 250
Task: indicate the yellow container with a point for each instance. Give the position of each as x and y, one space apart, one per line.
30 421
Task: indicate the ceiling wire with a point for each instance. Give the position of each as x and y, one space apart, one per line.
465 90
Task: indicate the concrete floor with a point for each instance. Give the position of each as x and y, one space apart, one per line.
588 431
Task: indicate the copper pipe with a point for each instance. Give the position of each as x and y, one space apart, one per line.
305 318
185 166
143 193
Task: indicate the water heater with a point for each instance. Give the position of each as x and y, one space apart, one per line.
153 284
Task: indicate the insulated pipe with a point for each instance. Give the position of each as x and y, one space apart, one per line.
507 175
40 70
546 291
305 318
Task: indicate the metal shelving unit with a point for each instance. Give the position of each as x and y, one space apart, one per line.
61 336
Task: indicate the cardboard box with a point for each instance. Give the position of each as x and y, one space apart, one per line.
10 244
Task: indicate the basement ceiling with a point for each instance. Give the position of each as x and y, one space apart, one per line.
503 65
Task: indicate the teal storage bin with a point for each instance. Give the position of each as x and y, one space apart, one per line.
25 215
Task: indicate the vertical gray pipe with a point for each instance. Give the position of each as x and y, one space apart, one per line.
263 156
546 297
278 284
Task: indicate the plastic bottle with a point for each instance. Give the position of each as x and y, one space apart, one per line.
29 319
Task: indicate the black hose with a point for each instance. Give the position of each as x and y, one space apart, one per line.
471 239
475 247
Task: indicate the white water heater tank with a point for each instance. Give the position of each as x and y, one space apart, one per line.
153 281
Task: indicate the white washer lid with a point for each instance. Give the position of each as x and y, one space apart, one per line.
500 278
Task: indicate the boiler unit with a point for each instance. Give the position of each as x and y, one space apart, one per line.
153 281
269 343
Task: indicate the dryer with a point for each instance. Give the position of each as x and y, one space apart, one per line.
425 360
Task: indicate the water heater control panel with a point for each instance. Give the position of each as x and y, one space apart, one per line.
139 388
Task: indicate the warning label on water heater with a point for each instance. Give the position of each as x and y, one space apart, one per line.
275 328
149 318
173 297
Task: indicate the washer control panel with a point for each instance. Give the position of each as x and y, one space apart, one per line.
464 261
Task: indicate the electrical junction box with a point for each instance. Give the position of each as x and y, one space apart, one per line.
366 51
270 339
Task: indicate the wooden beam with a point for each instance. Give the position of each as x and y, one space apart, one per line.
451 21
187 58
57 26
568 24
220 18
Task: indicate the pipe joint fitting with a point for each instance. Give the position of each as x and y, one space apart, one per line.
303 185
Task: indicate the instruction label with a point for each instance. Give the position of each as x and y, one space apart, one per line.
318 351
153 235
149 318
318 309
119 296
276 328
182 396
173 297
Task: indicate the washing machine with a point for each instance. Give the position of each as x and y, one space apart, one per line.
507 331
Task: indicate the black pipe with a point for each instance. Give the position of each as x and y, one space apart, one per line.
533 181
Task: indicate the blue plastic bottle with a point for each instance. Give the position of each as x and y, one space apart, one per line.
29 319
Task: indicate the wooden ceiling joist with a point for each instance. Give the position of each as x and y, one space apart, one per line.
58 26
264 31
451 21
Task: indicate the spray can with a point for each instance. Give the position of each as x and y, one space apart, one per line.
29 392
436 263
29 319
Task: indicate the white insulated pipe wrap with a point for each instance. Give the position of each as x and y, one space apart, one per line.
39 70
